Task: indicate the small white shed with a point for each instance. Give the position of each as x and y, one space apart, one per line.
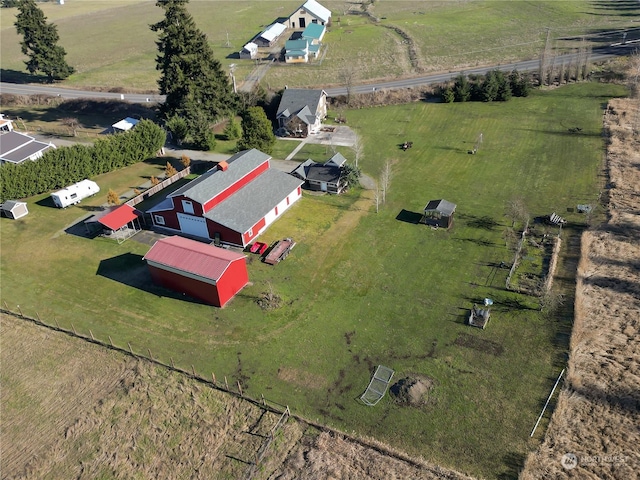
125 124
75 193
249 51
14 209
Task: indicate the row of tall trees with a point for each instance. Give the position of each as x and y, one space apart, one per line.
64 166
40 42
198 91
494 86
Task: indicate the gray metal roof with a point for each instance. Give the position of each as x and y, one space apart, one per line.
338 160
295 100
444 207
16 147
9 204
215 181
245 208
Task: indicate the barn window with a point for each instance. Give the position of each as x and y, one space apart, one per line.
159 219
287 200
276 210
250 232
187 206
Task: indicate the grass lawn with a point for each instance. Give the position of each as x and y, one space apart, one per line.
361 288
111 46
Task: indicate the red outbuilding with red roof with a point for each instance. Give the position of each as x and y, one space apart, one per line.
208 273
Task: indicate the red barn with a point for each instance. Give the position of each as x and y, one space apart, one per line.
232 203
208 273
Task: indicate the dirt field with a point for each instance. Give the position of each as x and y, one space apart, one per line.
72 409
594 431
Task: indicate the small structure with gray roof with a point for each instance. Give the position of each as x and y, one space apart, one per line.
301 112
439 213
323 177
232 203
14 209
17 148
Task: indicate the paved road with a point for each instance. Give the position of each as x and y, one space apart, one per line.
598 54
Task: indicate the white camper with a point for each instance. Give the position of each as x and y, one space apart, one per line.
75 193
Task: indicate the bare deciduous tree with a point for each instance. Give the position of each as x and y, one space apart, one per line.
72 123
358 149
385 180
516 211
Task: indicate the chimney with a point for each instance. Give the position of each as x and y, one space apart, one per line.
223 166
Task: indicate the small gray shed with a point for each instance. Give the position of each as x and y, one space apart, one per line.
439 213
14 209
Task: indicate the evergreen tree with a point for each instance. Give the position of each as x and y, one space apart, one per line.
462 89
191 78
40 42
256 131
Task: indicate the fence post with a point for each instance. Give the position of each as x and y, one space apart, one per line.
58 325
172 364
150 356
110 341
74 329
91 333
226 384
263 402
6 306
20 310
239 387
213 375
193 370
130 349
38 316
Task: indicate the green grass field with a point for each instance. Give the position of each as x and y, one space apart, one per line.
361 288
111 46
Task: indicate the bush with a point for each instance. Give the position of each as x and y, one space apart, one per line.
67 165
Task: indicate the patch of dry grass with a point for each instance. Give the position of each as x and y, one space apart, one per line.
71 409
598 411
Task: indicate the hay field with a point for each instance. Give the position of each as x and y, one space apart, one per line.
72 409
598 411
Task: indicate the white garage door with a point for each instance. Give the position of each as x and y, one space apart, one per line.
193 225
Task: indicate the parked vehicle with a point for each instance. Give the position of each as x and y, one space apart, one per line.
279 251
74 193
259 248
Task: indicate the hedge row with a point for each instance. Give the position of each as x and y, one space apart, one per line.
64 166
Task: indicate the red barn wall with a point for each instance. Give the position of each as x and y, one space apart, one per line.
202 291
255 230
233 280
226 234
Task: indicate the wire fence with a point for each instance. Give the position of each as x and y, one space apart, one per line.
221 383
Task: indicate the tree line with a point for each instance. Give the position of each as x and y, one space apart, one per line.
494 86
64 166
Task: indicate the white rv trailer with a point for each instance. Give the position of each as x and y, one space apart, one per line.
75 193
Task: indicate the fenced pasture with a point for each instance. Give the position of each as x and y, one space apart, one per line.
363 288
111 46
